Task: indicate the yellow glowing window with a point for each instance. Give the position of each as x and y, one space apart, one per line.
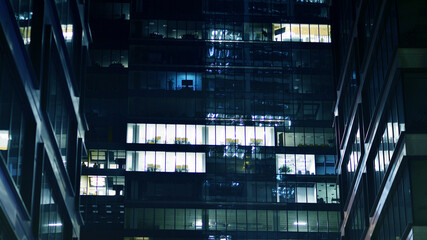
323 33
4 139
67 31
314 33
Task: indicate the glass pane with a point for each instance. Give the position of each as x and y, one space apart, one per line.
200 163
191 162
140 163
312 221
290 163
280 164
310 164
295 33
289 139
250 136
301 193
170 134
292 221
199 219
311 192
161 134
180 162
159 218
314 33
241 220
220 135
283 220
170 162
321 192
231 220
179 219
191 134
141 133
212 219
129 138
151 133
190 219
262 220
259 136
180 135
129 161
269 136
305 33
323 221
150 158
302 221
323 31
240 135
300 163
210 135
160 161
220 219
251 220
200 134
230 138
169 218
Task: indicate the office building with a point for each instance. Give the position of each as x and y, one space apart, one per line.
43 50
210 120
380 117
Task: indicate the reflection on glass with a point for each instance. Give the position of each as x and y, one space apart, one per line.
26 34
67 32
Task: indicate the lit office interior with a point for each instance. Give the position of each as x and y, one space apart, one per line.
229 135
190 30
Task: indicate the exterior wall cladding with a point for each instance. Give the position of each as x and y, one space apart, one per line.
42 57
210 120
380 117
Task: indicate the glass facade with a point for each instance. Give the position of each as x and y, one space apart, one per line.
102 185
227 124
377 115
231 220
393 128
23 11
51 222
244 116
357 222
42 129
104 159
14 125
398 212
57 110
17 131
226 31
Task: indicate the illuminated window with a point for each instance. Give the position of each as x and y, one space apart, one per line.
159 161
67 32
285 32
295 164
102 185
200 134
4 139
